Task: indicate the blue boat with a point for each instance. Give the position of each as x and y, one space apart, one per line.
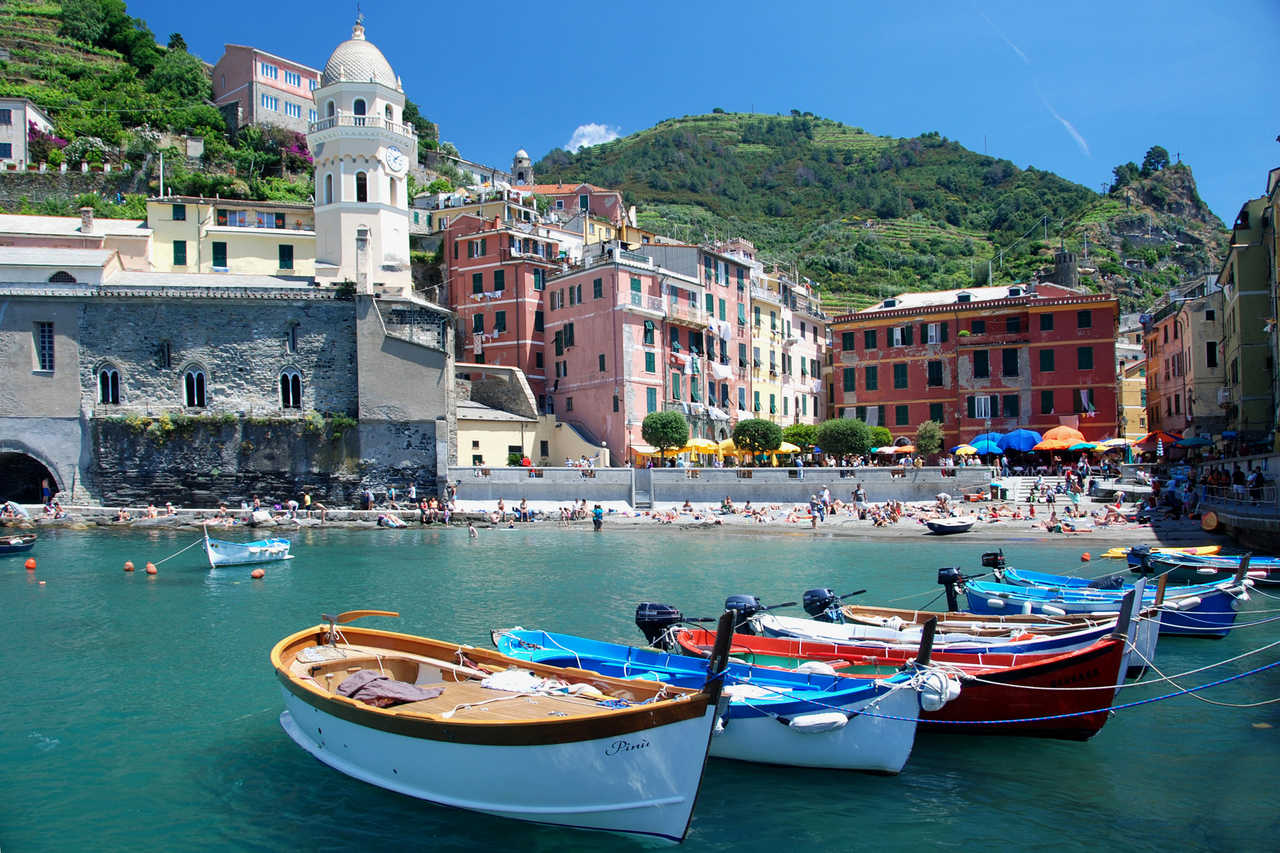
799 718
1202 568
1203 610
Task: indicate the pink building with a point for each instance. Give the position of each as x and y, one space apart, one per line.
260 88
497 275
625 338
130 238
570 198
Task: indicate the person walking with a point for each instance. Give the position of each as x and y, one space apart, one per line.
597 517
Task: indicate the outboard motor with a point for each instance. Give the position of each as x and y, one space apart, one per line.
951 578
823 605
655 621
994 560
1143 555
744 607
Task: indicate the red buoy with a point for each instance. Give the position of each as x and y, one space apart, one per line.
1085 557
128 565
31 564
151 568
257 574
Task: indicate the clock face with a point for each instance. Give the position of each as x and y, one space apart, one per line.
395 159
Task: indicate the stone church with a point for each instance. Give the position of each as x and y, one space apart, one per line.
124 384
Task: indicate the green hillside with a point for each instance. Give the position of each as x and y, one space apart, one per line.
869 215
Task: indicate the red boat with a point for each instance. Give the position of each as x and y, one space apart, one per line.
1001 694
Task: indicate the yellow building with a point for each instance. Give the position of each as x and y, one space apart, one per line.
192 234
1132 394
767 333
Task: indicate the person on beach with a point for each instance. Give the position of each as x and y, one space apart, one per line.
815 507
151 511
306 504
525 513
597 517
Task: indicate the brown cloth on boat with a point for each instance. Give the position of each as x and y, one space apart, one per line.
381 691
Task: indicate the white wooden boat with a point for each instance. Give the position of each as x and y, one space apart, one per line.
944 526
224 553
475 729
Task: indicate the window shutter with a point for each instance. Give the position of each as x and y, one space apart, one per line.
970 410
944 332
907 334
924 333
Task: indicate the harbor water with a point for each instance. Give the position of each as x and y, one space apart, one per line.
141 712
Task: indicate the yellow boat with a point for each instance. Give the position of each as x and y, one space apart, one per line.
1203 550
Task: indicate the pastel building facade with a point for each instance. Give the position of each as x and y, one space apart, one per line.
17 117
263 89
980 359
204 235
130 239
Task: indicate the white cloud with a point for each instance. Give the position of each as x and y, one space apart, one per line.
585 135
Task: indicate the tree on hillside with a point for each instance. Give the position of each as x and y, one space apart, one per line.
180 75
757 435
842 436
665 430
929 438
177 42
1157 158
803 436
1124 174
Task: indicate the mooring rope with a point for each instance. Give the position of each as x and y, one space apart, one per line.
199 541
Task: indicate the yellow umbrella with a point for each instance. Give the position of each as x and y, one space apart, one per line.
786 447
699 445
966 450
644 450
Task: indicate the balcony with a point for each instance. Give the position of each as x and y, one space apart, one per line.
686 314
506 253
643 302
346 120
758 292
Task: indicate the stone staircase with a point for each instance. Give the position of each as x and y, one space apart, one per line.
1020 488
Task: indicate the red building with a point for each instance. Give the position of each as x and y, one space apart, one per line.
985 358
497 275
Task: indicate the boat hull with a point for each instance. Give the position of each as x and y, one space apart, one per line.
16 544
223 553
942 528
634 785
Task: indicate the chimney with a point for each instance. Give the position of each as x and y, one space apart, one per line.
86 220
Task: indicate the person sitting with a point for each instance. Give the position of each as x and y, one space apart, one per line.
688 507
122 514
726 505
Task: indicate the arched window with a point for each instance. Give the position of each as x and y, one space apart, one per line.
357 107
390 114
328 109
109 386
362 186
291 389
62 277
193 385
328 189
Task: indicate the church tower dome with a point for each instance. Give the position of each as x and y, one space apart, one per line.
521 168
363 151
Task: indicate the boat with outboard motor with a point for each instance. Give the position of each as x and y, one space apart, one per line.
1202 568
800 719
1056 695
475 729
224 553
1203 610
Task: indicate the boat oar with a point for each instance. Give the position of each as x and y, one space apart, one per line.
719 660
851 594
783 604
352 615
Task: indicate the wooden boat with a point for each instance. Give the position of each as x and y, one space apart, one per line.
1203 568
478 730
17 543
1203 610
773 717
946 526
224 553
995 687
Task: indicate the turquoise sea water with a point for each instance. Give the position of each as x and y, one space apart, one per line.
141 712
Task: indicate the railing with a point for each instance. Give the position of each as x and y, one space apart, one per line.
346 120
635 258
649 303
686 312
1253 497
765 293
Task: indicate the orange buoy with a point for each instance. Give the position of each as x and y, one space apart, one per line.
151 568
257 574
1085 557
31 564
128 565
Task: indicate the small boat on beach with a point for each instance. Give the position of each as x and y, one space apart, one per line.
1051 693
224 553
798 719
17 543
947 526
479 730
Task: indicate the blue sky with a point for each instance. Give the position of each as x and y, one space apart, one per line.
1074 88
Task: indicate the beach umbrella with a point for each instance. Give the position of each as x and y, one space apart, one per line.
964 450
1111 443
1083 445
1159 436
905 448
699 445
786 447
1064 433
1193 441
644 450
1020 439
993 437
985 446
887 449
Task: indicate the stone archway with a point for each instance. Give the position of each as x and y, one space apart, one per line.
21 476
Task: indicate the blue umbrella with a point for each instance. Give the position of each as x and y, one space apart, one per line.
985 446
1021 440
1194 441
993 437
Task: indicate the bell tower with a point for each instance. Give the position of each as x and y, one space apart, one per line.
522 169
363 151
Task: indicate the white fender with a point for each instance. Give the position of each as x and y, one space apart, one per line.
816 667
1053 611
995 603
818 722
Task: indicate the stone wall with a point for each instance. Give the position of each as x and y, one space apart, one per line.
207 460
243 346
38 186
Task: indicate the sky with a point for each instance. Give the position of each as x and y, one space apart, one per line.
1074 88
